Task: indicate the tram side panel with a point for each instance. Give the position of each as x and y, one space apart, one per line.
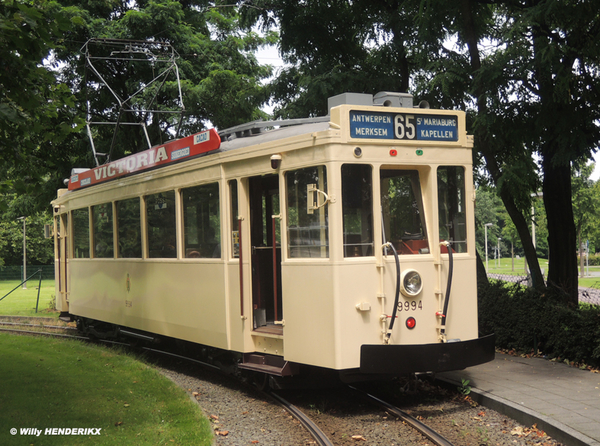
310 313
462 317
183 301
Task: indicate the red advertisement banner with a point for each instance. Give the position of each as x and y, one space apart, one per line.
160 155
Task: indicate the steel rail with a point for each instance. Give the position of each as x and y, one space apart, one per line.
51 327
308 424
43 333
187 358
413 422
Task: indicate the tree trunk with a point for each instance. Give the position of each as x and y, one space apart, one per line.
562 237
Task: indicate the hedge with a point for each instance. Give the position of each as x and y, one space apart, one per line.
529 321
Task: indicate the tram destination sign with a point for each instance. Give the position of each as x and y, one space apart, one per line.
170 152
403 126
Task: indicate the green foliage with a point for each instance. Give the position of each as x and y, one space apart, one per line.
528 321
43 108
465 388
592 259
40 251
36 111
586 202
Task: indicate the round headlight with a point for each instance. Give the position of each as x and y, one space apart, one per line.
411 283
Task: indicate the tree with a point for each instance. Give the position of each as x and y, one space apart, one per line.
336 46
558 96
36 111
40 251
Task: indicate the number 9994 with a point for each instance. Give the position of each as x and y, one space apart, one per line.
410 305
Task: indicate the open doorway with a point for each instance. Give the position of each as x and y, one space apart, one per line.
265 236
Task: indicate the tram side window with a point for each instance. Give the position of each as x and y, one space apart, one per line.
451 206
81 233
308 227
102 227
160 216
357 199
402 211
202 225
129 229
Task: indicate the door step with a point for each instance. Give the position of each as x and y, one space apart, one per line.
271 365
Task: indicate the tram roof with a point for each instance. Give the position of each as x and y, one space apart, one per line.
250 137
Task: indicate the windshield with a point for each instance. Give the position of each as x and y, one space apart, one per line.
402 211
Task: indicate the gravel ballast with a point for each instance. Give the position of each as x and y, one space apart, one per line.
240 415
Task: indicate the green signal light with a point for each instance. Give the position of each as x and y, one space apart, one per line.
419 152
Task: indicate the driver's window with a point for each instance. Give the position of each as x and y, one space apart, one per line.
402 211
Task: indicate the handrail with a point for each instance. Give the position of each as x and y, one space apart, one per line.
241 266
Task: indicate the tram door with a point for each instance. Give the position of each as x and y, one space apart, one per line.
265 237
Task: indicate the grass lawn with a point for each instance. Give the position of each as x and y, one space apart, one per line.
47 384
22 302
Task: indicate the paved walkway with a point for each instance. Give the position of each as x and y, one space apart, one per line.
563 401
587 295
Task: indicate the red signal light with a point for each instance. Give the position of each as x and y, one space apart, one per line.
411 322
393 152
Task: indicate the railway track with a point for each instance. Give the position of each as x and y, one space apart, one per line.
404 418
425 430
47 327
322 439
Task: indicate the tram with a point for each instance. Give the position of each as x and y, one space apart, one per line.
344 242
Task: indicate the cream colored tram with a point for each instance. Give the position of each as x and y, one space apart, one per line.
279 244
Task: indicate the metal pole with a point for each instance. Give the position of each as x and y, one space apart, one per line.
24 254
499 251
487 266
39 289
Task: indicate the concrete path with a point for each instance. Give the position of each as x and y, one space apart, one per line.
563 401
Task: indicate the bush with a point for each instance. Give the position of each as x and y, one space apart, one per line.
526 320
594 260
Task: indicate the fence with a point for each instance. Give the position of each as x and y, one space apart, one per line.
16 272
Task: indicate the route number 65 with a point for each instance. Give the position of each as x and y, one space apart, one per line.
404 127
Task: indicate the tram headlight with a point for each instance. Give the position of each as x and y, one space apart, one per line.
411 283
